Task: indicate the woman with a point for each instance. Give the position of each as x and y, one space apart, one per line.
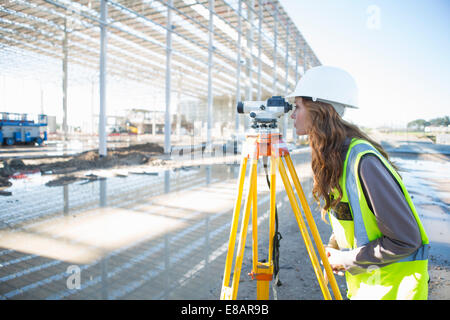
378 239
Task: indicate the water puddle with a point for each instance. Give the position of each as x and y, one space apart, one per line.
428 183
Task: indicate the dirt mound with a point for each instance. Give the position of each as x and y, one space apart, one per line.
4 183
62 181
89 156
116 157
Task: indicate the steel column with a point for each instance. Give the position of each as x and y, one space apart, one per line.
294 132
210 66
285 118
65 76
249 47
103 47
167 122
238 62
275 31
259 48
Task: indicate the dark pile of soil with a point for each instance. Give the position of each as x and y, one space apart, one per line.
116 157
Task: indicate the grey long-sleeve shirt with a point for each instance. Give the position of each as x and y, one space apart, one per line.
401 234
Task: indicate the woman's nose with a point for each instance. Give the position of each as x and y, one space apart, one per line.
293 115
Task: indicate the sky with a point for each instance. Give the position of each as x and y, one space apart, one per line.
397 51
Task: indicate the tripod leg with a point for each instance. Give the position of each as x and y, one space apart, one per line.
226 294
304 231
261 271
273 163
255 227
262 286
244 227
313 228
265 270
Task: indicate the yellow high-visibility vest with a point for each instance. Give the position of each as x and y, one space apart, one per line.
405 279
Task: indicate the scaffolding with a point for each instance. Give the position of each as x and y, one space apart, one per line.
247 50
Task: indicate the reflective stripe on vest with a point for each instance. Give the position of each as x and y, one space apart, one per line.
352 193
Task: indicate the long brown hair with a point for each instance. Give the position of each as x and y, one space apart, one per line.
327 134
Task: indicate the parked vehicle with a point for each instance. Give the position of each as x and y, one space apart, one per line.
16 128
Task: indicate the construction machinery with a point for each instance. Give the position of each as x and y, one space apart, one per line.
17 128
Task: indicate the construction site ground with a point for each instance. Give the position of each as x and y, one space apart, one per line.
140 225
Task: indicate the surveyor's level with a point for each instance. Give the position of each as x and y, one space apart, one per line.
269 144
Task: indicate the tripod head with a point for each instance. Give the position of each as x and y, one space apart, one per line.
265 114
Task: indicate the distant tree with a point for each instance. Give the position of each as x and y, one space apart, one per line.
418 124
444 121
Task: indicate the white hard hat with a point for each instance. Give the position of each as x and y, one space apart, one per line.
328 84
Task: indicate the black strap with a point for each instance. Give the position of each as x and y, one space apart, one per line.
276 238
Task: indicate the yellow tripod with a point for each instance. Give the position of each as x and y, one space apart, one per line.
269 144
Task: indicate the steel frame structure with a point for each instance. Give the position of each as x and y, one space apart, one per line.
206 42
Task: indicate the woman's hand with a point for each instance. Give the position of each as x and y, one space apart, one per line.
335 258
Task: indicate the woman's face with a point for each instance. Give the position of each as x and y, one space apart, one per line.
301 118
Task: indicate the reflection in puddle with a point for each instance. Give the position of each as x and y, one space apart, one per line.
57 148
